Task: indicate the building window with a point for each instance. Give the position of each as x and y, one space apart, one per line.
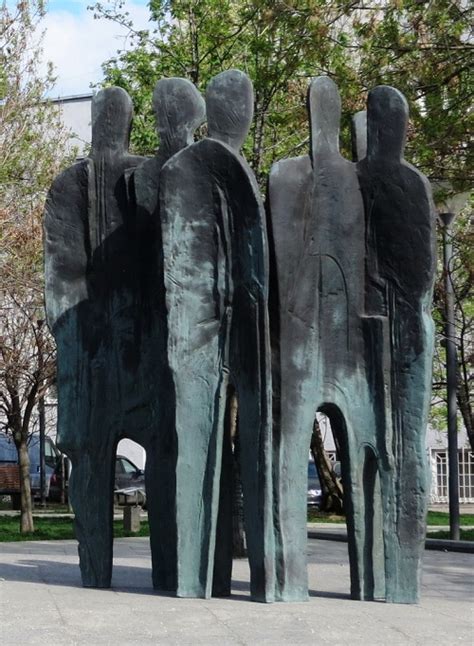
441 474
466 476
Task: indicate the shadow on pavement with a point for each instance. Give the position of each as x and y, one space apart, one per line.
125 578
323 594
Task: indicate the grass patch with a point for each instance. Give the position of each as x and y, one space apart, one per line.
119 533
434 518
46 529
315 516
54 529
465 534
61 528
49 508
442 518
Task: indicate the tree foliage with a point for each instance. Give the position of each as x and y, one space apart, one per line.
32 150
420 47
462 275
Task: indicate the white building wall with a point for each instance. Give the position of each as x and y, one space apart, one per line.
76 115
133 451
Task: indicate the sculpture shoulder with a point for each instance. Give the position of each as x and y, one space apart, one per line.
146 168
290 173
133 161
423 212
68 194
181 185
402 188
142 183
288 182
403 215
283 167
72 178
233 167
207 153
205 158
421 185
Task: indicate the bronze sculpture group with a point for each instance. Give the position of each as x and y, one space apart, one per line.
168 283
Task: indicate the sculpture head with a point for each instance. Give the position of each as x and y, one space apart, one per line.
229 104
387 118
324 106
112 113
179 110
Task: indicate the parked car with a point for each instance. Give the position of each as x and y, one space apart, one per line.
129 476
53 459
315 494
53 469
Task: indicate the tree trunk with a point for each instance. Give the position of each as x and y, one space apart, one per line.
330 485
26 516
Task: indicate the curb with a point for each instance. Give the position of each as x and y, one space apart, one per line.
447 545
443 545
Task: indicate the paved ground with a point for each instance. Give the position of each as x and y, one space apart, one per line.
42 602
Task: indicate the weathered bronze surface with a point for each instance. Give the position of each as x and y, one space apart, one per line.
351 283
165 297
216 277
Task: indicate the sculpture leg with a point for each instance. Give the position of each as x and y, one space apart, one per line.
406 526
363 506
91 493
405 535
89 410
368 535
291 452
199 423
222 576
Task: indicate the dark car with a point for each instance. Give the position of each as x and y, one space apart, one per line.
128 475
315 494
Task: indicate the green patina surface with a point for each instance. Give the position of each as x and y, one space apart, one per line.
157 281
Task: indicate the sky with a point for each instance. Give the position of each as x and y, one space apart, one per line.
77 44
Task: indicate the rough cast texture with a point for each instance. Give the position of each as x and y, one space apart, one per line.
91 293
157 294
352 273
105 307
400 231
216 276
179 110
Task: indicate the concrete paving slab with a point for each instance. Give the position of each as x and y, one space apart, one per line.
42 602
